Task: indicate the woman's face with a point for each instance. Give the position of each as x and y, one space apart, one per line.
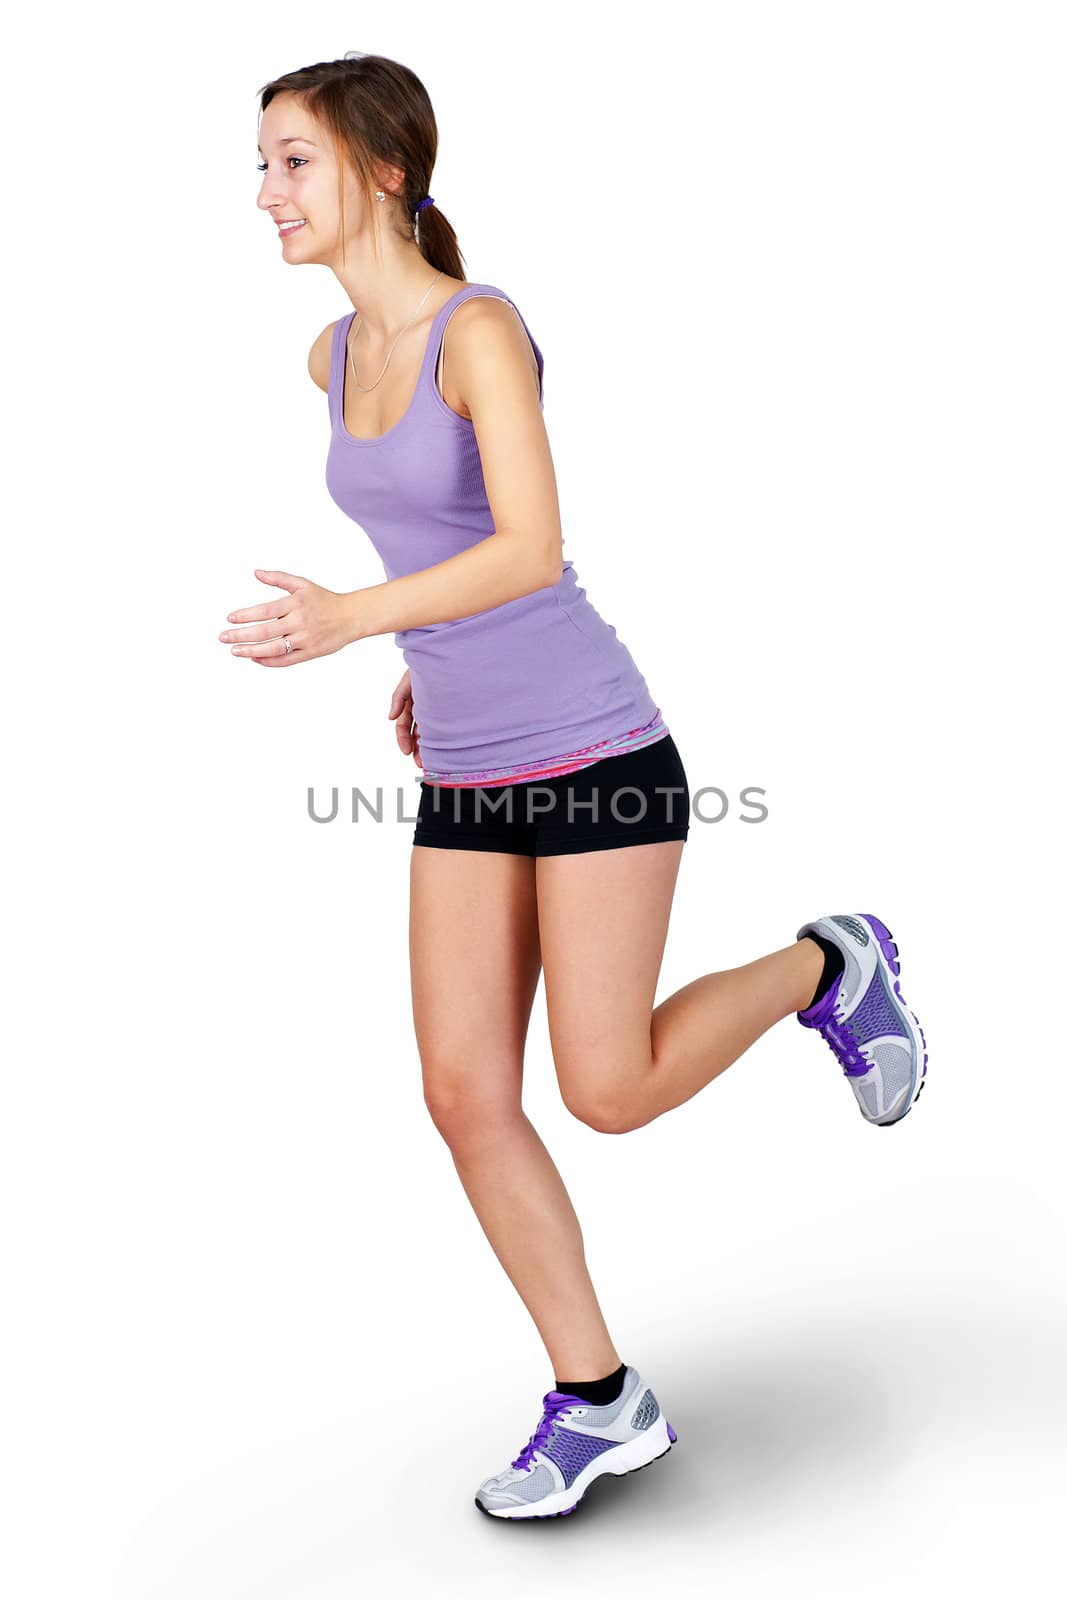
300 183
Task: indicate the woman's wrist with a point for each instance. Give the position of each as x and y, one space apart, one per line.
357 616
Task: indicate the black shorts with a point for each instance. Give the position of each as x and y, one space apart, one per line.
639 797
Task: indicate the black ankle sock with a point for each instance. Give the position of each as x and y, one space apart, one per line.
833 965
598 1391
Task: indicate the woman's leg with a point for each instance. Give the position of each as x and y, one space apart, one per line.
475 962
603 917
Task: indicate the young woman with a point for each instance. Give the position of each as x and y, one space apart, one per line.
554 803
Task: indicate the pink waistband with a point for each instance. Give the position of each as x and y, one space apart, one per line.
556 766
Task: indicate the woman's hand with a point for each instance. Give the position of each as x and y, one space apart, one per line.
407 729
315 620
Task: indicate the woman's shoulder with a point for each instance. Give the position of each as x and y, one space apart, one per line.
489 320
319 356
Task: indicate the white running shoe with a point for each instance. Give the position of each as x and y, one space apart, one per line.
863 1018
573 1444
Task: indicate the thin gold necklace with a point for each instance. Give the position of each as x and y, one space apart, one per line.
366 388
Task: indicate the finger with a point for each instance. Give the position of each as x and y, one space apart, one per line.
268 611
266 649
265 630
281 661
281 580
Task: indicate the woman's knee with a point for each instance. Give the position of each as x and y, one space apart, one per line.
603 1112
593 1087
472 1102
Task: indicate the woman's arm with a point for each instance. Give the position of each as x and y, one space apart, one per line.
490 360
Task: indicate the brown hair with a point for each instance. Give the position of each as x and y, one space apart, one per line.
377 110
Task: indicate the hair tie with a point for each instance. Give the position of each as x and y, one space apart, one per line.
427 202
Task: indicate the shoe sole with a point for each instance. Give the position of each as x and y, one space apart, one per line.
518 1515
892 958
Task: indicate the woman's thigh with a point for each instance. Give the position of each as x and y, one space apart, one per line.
603 917
475 962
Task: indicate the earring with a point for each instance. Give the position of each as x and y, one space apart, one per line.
380 193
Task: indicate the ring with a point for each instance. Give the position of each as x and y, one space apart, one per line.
288 643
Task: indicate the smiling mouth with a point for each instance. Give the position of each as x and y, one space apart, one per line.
292 225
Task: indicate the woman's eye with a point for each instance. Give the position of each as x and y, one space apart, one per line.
261 166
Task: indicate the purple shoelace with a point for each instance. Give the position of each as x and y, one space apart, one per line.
844 1044
554 1403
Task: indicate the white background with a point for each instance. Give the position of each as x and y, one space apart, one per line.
797 273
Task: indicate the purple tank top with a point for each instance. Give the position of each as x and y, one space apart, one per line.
502 690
